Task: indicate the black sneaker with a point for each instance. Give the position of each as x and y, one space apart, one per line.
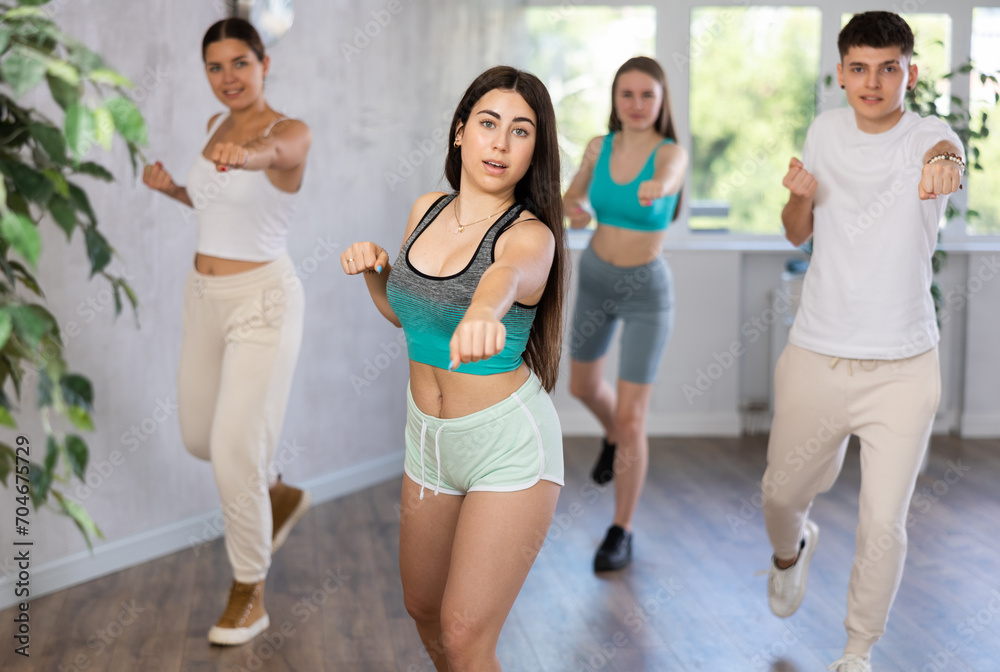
616 551
604 470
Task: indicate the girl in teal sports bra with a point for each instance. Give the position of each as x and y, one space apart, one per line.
632 178
477 288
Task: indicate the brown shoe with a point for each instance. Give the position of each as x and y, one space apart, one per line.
244 617
288 504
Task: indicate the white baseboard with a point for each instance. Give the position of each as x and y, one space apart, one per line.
119 554
581 423
986 426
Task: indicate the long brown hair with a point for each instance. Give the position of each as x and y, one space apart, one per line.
541 193
665 121
236 29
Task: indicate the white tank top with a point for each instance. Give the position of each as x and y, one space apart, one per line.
241 214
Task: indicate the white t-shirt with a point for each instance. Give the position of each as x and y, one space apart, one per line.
867 291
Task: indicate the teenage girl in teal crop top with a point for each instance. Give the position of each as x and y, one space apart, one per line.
477 289
616 204
633 177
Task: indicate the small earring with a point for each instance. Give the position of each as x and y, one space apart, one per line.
457 143
842 86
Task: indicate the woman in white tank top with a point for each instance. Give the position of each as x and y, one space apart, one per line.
243 313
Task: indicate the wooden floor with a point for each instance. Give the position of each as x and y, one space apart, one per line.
693 599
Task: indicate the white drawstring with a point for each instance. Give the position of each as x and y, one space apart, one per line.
437 458
423 434
836 360
861 363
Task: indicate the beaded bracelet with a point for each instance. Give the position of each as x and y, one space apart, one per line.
948 156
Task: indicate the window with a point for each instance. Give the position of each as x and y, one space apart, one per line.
753 94
576 51
984 94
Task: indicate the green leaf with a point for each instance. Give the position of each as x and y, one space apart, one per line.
104 128
31 323
51 139
98 250
30 183
14 368
26 278
79 516
80 419
22 234
79 129
22 71
130 293
110 77
7 461
81 202
64 71
45 387
51 452
4 38
64 94
6 325
6 419
128 119
95 170
76 448
84 59
64 213
77 391
40 481
3 195
59 183
24 12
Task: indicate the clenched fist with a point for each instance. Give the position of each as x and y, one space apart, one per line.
156 177
228 155
939 179
578 218
363 257
799 181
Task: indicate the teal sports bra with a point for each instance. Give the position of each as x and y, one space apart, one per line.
618 204
430 307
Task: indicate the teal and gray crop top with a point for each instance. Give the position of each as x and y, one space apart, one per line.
618 204
430 307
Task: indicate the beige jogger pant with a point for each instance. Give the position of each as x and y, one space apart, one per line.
819 402
242 334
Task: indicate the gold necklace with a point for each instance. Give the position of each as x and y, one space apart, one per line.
461 227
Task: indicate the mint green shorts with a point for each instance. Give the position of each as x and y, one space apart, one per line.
508 446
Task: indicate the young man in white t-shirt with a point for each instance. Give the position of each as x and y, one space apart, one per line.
862 355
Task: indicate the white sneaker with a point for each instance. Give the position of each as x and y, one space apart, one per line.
851 663
787 587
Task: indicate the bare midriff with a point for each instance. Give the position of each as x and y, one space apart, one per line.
453 394
626 247
209 265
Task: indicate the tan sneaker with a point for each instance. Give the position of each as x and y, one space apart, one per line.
288 504
244 617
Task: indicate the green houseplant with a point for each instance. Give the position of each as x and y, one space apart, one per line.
40 158
924 100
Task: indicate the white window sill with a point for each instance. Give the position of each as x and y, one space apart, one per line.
678 240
